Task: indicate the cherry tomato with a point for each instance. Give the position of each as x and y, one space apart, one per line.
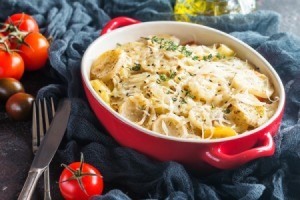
19 106
11 65
8 87
24 22
90 178
35 53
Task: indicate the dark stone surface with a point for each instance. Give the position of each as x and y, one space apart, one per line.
15 137
15 142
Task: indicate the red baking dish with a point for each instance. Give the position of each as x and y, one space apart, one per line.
225 153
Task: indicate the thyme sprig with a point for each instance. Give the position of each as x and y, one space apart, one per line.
164 77
136 67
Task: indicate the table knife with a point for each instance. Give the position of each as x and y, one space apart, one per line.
47 149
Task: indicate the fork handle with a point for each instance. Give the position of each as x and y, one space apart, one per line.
30 184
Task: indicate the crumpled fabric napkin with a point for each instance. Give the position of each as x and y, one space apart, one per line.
129 174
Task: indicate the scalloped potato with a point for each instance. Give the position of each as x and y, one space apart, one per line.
186 91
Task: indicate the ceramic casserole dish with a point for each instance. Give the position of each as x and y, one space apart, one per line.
223 153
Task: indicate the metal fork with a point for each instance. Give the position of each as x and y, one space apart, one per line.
40 124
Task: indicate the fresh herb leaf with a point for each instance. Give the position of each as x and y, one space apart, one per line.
191 96
171 46
145 38
192 74
163 77
188 93
219 56
226 111
136 67
172 74
156 40
182 100
195 58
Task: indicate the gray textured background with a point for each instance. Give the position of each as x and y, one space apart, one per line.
289 10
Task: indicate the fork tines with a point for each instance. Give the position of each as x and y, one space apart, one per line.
40 121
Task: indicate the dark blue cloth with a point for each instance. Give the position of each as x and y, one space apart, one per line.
131 175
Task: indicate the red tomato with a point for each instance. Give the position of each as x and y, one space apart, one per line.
70 188
11 65
24 22
35 53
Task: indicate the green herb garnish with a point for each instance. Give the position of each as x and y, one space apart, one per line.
226 111
171 46
219 56
195 58
136 67
185 52
172 74
145 38
188 93
182 100
163 77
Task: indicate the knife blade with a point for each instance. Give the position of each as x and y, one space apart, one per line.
47 148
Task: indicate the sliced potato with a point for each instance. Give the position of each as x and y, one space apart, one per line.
135 108
254 82
107 65
102 90
225 50
247 110
204 87
171 125
200 117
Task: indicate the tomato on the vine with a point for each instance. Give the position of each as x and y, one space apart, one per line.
34 51
80 181
23 22
11 65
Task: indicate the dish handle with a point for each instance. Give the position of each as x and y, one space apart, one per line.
118 22
217 158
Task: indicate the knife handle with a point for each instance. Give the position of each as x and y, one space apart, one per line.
30 184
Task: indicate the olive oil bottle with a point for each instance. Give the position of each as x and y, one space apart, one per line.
185 9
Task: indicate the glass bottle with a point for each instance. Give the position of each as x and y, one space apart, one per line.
184 9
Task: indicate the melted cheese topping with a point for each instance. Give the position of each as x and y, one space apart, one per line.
189 91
